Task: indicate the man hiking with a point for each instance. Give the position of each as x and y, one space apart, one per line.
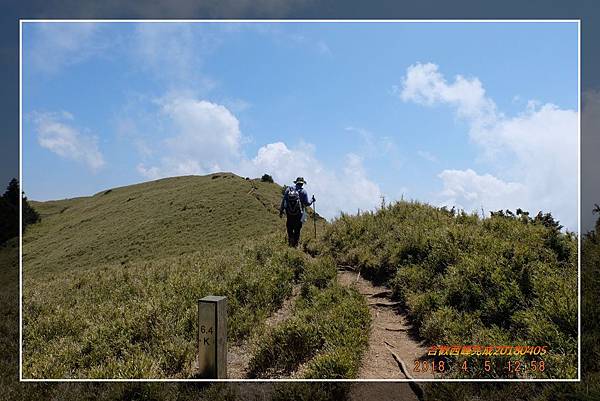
294 200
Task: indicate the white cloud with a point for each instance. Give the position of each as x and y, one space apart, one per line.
364 193
55 133
346 190
533 155
173 167
57 45
424 84
466 189
206 138
206 130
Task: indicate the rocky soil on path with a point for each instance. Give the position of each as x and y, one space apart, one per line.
393 346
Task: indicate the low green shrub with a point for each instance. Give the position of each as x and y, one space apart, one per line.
328 332
339 363
320 274
288 345
463 278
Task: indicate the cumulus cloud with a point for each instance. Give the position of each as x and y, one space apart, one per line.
207 131
424 84
206 138
533 156
465 189
57 45
346 190
56 133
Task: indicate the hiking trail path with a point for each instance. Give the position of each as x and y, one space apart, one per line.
393 346
393 343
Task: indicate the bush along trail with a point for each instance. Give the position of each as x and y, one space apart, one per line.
504 280
320 331
325 335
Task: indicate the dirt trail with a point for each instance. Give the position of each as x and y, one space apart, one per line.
392 342
238 356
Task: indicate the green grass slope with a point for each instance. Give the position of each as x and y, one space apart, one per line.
139 320
168 217
111 281
12 389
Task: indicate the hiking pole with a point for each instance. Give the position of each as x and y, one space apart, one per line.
315 215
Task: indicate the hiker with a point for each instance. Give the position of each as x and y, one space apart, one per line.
294 200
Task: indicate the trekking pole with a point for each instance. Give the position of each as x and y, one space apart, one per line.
315 215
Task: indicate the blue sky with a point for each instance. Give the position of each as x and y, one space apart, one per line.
467 114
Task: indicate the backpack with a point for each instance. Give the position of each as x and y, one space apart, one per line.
293 206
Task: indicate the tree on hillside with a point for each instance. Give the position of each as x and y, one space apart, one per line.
8 221
9 212
12 192
266 178
548 221
30 216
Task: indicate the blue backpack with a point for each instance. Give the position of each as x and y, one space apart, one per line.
293 206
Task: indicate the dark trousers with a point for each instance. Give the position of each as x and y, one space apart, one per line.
294 225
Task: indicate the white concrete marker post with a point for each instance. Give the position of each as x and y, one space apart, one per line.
212 338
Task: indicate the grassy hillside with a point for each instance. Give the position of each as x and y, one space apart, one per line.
503 280
111 281
138 320
168 217
326 336
12 389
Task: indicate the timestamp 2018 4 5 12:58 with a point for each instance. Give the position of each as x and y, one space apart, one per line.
511 366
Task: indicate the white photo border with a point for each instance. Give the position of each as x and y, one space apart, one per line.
249 21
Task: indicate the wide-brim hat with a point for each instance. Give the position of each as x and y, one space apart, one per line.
300 180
